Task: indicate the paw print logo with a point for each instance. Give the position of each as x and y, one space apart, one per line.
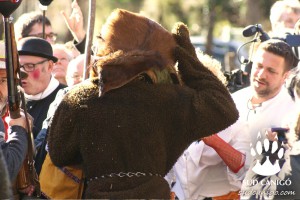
266 168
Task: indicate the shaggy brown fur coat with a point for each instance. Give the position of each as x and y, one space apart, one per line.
134 116
140 127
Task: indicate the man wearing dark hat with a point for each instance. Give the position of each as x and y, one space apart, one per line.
36 60
40 88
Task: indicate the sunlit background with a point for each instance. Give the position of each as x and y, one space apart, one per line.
222 19
216 25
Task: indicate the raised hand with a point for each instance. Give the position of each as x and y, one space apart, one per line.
181 34
74 22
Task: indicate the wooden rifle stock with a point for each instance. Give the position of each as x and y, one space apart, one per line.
11 70
27 175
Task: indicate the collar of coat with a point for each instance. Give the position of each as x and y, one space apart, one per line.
119 68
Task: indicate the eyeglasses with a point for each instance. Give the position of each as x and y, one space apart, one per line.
51 36
3 80
29 67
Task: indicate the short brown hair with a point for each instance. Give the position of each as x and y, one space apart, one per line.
26 21
282 49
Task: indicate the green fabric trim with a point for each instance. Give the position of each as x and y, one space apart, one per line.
163 76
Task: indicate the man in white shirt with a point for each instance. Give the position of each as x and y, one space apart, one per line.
267 103
200 172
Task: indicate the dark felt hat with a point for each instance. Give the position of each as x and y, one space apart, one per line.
34 46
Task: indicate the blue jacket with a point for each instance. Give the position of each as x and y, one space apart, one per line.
14 149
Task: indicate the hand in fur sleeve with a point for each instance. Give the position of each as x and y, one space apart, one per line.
210 94
190 67
182 36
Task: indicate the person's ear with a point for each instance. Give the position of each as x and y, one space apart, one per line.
286 75
50 66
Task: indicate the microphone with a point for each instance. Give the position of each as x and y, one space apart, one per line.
249 30
45 2
252 29
264 36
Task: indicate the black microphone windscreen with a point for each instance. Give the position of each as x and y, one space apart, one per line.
45 2
249 31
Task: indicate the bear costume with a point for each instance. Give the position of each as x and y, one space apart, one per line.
133 118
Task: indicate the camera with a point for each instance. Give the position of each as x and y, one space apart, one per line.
257 30
260 35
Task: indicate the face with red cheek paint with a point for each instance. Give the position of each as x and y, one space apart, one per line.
36 74
38 79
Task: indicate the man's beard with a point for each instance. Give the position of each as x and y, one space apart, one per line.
262 92
268 92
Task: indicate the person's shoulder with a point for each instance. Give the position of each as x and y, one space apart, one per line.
241 91
285 98
284 92
88 85
61 86
83 91
58 88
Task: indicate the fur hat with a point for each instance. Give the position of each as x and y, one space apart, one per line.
134 34
128 31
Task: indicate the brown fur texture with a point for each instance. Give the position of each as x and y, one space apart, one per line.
213 65
139 127
127 39
129 31
133 33
117 69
